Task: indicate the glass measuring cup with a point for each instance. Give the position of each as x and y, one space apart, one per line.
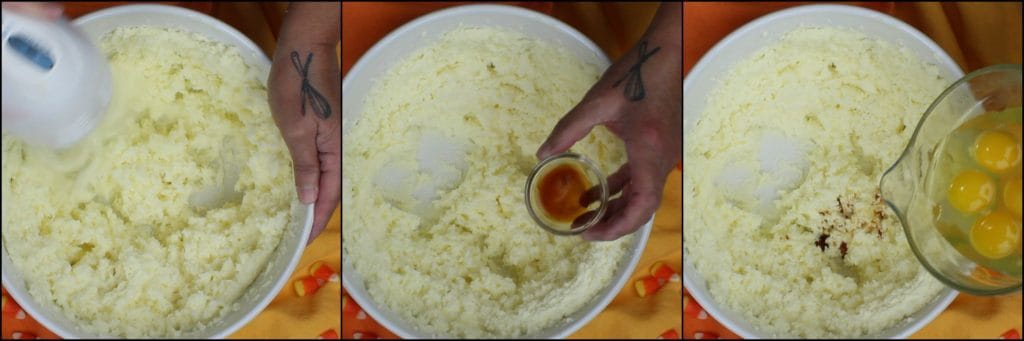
583 217
905 185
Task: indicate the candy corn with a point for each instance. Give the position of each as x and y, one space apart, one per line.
661 271
329 334
348 306
306 286
648 285
9 306
690 307
668 335
321 271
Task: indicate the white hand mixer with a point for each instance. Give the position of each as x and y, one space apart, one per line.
56 83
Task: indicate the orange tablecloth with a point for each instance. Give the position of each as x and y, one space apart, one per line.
615 28
287 316
975 35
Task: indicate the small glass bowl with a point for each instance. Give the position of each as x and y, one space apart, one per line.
590 171
904 185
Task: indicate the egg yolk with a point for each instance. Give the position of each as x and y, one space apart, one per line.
996 235
1011 195
997 151
971 191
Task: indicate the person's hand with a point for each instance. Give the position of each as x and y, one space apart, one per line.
639 99
304 91
40 10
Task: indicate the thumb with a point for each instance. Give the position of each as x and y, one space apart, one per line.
306 163
573 126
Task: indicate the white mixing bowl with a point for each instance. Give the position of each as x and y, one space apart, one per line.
763 32
422 32
283 260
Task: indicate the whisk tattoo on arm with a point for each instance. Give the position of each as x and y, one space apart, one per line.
309 93
635 85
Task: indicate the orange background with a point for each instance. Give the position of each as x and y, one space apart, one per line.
614 27
287 316
975 35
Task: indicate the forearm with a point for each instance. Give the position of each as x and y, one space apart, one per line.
653 66
310 28
666 31
306 51
311 24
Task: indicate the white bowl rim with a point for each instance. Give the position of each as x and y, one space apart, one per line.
461 10
943 57
27 302
248 44
706 302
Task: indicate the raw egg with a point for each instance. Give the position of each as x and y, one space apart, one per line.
997 151
971 191
996 235
1011 195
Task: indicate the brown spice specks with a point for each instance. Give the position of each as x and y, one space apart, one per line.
821 242
845 210
842 224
